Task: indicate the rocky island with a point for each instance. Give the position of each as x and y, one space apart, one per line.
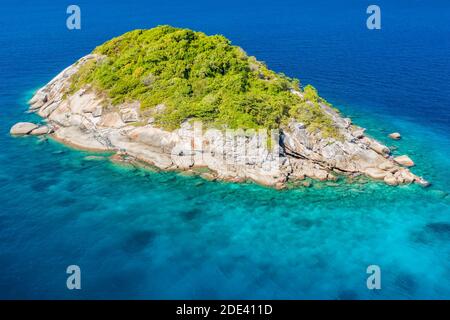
180 100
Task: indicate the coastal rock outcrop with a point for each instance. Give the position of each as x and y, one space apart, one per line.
390 179
22 128
404 161
86 120
395 136
40 131
376 173
130 112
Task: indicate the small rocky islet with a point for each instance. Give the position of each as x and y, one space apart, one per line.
140 95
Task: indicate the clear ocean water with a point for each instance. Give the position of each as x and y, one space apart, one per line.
138 234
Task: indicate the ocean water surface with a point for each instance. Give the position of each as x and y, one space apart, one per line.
155 235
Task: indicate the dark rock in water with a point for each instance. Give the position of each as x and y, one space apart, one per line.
139 240
432 232
439 193
4 180
304 223
439 228
191 214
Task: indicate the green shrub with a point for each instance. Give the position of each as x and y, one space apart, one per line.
199 77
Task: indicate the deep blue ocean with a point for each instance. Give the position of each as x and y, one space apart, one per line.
150 235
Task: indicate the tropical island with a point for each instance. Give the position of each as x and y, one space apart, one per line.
148 96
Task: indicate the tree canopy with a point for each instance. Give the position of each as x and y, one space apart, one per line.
199 77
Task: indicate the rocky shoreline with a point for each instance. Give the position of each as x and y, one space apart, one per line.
87 120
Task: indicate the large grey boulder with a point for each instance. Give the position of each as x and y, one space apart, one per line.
22 128
395 135
376 173
40 131
390 179
130 112
129 115
404 161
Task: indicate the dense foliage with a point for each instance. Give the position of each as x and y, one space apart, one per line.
196 76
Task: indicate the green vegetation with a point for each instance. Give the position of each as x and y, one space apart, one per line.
199 77
311 114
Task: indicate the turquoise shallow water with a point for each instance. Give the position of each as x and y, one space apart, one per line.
140 234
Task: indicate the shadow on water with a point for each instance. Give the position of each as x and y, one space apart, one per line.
432 232
138 241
